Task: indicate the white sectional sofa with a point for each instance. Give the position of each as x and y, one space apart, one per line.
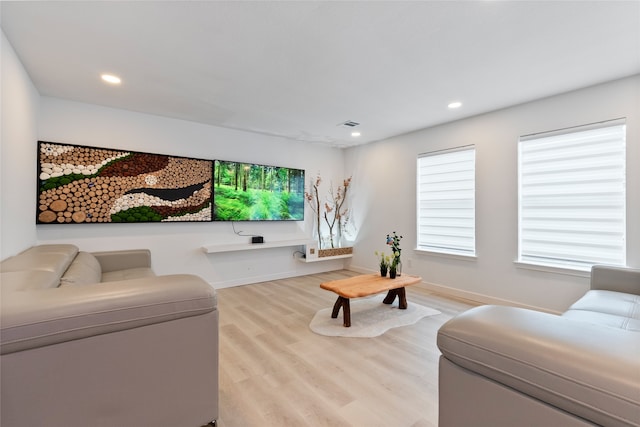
507 366
100 340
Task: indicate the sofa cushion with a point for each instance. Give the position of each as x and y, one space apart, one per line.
85 269
610 302
607 308
38 318
127 274
604 319
13 281
54 259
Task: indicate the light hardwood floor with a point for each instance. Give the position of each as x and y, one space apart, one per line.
275 372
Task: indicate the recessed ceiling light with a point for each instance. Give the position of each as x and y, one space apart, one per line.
110 78
355 134
455 105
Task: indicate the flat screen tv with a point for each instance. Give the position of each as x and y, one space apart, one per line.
251 192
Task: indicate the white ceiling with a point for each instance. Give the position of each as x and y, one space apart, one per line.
300 68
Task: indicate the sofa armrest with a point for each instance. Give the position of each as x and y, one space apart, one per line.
123 260
619 279
37 318
589 370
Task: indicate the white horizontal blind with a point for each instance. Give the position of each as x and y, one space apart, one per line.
446 201
572 197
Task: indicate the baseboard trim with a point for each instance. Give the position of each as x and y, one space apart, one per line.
305 270
253 279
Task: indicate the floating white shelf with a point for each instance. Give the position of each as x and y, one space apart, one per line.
211 249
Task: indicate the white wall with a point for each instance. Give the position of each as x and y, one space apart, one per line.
176 247
19 112
382 195
385 199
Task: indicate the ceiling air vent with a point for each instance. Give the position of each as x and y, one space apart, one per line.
350 124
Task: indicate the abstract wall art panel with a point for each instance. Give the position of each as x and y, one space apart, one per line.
80 184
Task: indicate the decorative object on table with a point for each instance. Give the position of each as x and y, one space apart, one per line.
80 184
393 271
395 268
370 318
333 210
399 268
384 263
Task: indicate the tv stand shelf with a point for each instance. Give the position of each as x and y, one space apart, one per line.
211 249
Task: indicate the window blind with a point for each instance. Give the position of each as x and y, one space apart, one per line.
572 197
446 201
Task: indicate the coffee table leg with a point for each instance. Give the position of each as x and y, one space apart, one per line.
391 296
336 308
346 310
402 299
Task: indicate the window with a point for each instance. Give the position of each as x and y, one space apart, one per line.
572 197
446 201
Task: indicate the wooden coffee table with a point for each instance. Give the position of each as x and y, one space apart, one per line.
365 285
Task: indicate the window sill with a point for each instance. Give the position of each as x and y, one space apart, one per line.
450 255
553 269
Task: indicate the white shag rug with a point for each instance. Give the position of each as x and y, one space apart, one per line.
369 318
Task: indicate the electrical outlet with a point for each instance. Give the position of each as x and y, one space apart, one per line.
409 262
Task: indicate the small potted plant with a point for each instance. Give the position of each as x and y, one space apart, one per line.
396 265
393 270
384 263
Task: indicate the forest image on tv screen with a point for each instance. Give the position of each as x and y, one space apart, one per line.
250 192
